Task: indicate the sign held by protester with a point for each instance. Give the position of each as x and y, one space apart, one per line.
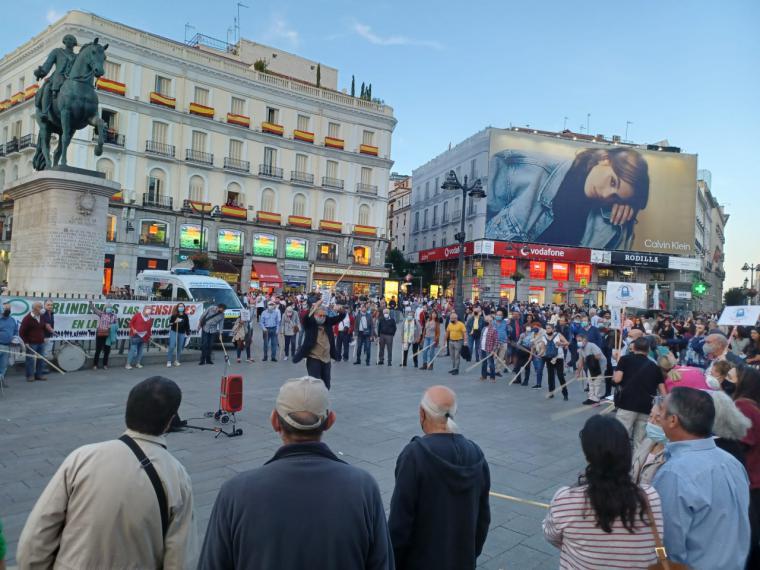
622 294
740 316
75 320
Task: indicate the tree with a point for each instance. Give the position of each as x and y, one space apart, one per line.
369 92
735 296
400 265
319 75
353 86
363 91
201 261
260 65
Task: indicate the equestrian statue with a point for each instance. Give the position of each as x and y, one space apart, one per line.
67 101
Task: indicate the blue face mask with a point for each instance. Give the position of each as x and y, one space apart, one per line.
498 317
656 433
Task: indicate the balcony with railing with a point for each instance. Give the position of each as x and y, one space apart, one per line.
199 157
162 202
362 188
335 183
2 150
11 146
302 178
159 148
110 137
270 171
27 141
236 164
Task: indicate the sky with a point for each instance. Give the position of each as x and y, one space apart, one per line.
685 71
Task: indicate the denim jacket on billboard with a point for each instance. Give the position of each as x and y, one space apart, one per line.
522 188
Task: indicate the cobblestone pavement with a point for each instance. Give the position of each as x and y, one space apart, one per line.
530 453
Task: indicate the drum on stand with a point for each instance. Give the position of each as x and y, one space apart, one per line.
71 357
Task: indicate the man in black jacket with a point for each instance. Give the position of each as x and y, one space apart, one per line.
386 330
305 508
319 342
439 509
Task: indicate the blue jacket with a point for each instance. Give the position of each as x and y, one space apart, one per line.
595 336
522 187
8 329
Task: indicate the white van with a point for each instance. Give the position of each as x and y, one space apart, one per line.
187 285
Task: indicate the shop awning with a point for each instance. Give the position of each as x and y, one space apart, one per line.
267 272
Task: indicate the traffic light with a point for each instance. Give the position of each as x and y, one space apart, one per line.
699 288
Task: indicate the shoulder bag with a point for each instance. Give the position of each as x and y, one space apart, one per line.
155 480
663 563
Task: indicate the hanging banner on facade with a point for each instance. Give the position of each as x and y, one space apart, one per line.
74 319
622 294
740 316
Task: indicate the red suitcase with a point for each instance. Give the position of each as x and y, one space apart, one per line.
231 394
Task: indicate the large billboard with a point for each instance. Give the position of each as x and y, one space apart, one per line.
609 197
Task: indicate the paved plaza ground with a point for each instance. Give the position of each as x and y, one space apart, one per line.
530 453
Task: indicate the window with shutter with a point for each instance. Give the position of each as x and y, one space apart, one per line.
236 149
364 215
333 130
299 205
267 200
201 96
112 70
331 169
199 141
160 132
329 210
303 123
237 106
197 188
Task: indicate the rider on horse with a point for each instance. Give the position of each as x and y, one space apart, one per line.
62 58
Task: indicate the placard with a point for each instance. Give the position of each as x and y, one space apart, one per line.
622 294
740 316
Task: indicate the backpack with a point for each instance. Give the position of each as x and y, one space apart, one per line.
551 347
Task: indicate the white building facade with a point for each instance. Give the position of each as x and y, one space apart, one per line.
283 171
399 211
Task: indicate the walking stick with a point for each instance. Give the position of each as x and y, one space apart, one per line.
481 361
568 382
38 355
430 365
519 373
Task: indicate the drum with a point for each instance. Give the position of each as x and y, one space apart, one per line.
71 357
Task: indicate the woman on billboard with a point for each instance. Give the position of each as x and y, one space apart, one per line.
590 201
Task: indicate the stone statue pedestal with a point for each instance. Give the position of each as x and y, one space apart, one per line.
59 232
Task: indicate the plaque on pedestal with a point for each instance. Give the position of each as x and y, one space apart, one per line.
59 232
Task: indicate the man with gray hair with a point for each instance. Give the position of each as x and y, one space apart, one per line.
439 513
716 348
305 508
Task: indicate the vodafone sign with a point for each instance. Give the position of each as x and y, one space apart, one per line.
536 251
509 249
447 252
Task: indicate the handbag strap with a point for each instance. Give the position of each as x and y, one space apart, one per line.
659 547
155 480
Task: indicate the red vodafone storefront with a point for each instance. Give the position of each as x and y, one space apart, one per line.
550 273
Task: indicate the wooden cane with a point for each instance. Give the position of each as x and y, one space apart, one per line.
519 373
479 362
158 346
38 355
568 382
432 362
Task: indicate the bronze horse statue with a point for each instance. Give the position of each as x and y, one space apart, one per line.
75 107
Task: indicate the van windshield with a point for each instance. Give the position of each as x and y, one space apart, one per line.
214 296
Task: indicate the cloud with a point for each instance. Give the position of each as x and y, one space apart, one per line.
280 29
53 15
364 31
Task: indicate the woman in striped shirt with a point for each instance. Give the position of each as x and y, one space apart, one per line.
602 523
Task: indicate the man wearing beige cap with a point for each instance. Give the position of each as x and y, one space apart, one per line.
304 508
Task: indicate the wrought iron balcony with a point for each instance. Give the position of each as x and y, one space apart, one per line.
11 146
164 202
270 171
192 155
27 141
336 183
304 178
366 188
237 164
160 148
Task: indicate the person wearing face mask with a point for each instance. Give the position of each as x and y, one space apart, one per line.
650 454
140 327
592 333
474 325
456 334
716 349
270 321
8 330
105 333
386 330
179 329
591 361
364 328
411 337
290 326
319 342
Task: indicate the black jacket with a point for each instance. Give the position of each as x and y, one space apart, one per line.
305 508
386 326
439 510
180 323
310 335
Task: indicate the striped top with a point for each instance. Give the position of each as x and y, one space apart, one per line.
571 526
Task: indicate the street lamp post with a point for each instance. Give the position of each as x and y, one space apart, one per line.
474 190
751 268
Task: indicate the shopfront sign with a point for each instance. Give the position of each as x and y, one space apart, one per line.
633 259
682 294
684 263
350 272
446 252
543 252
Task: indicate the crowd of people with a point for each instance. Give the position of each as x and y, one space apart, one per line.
673 461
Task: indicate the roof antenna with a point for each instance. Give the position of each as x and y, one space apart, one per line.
237 21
